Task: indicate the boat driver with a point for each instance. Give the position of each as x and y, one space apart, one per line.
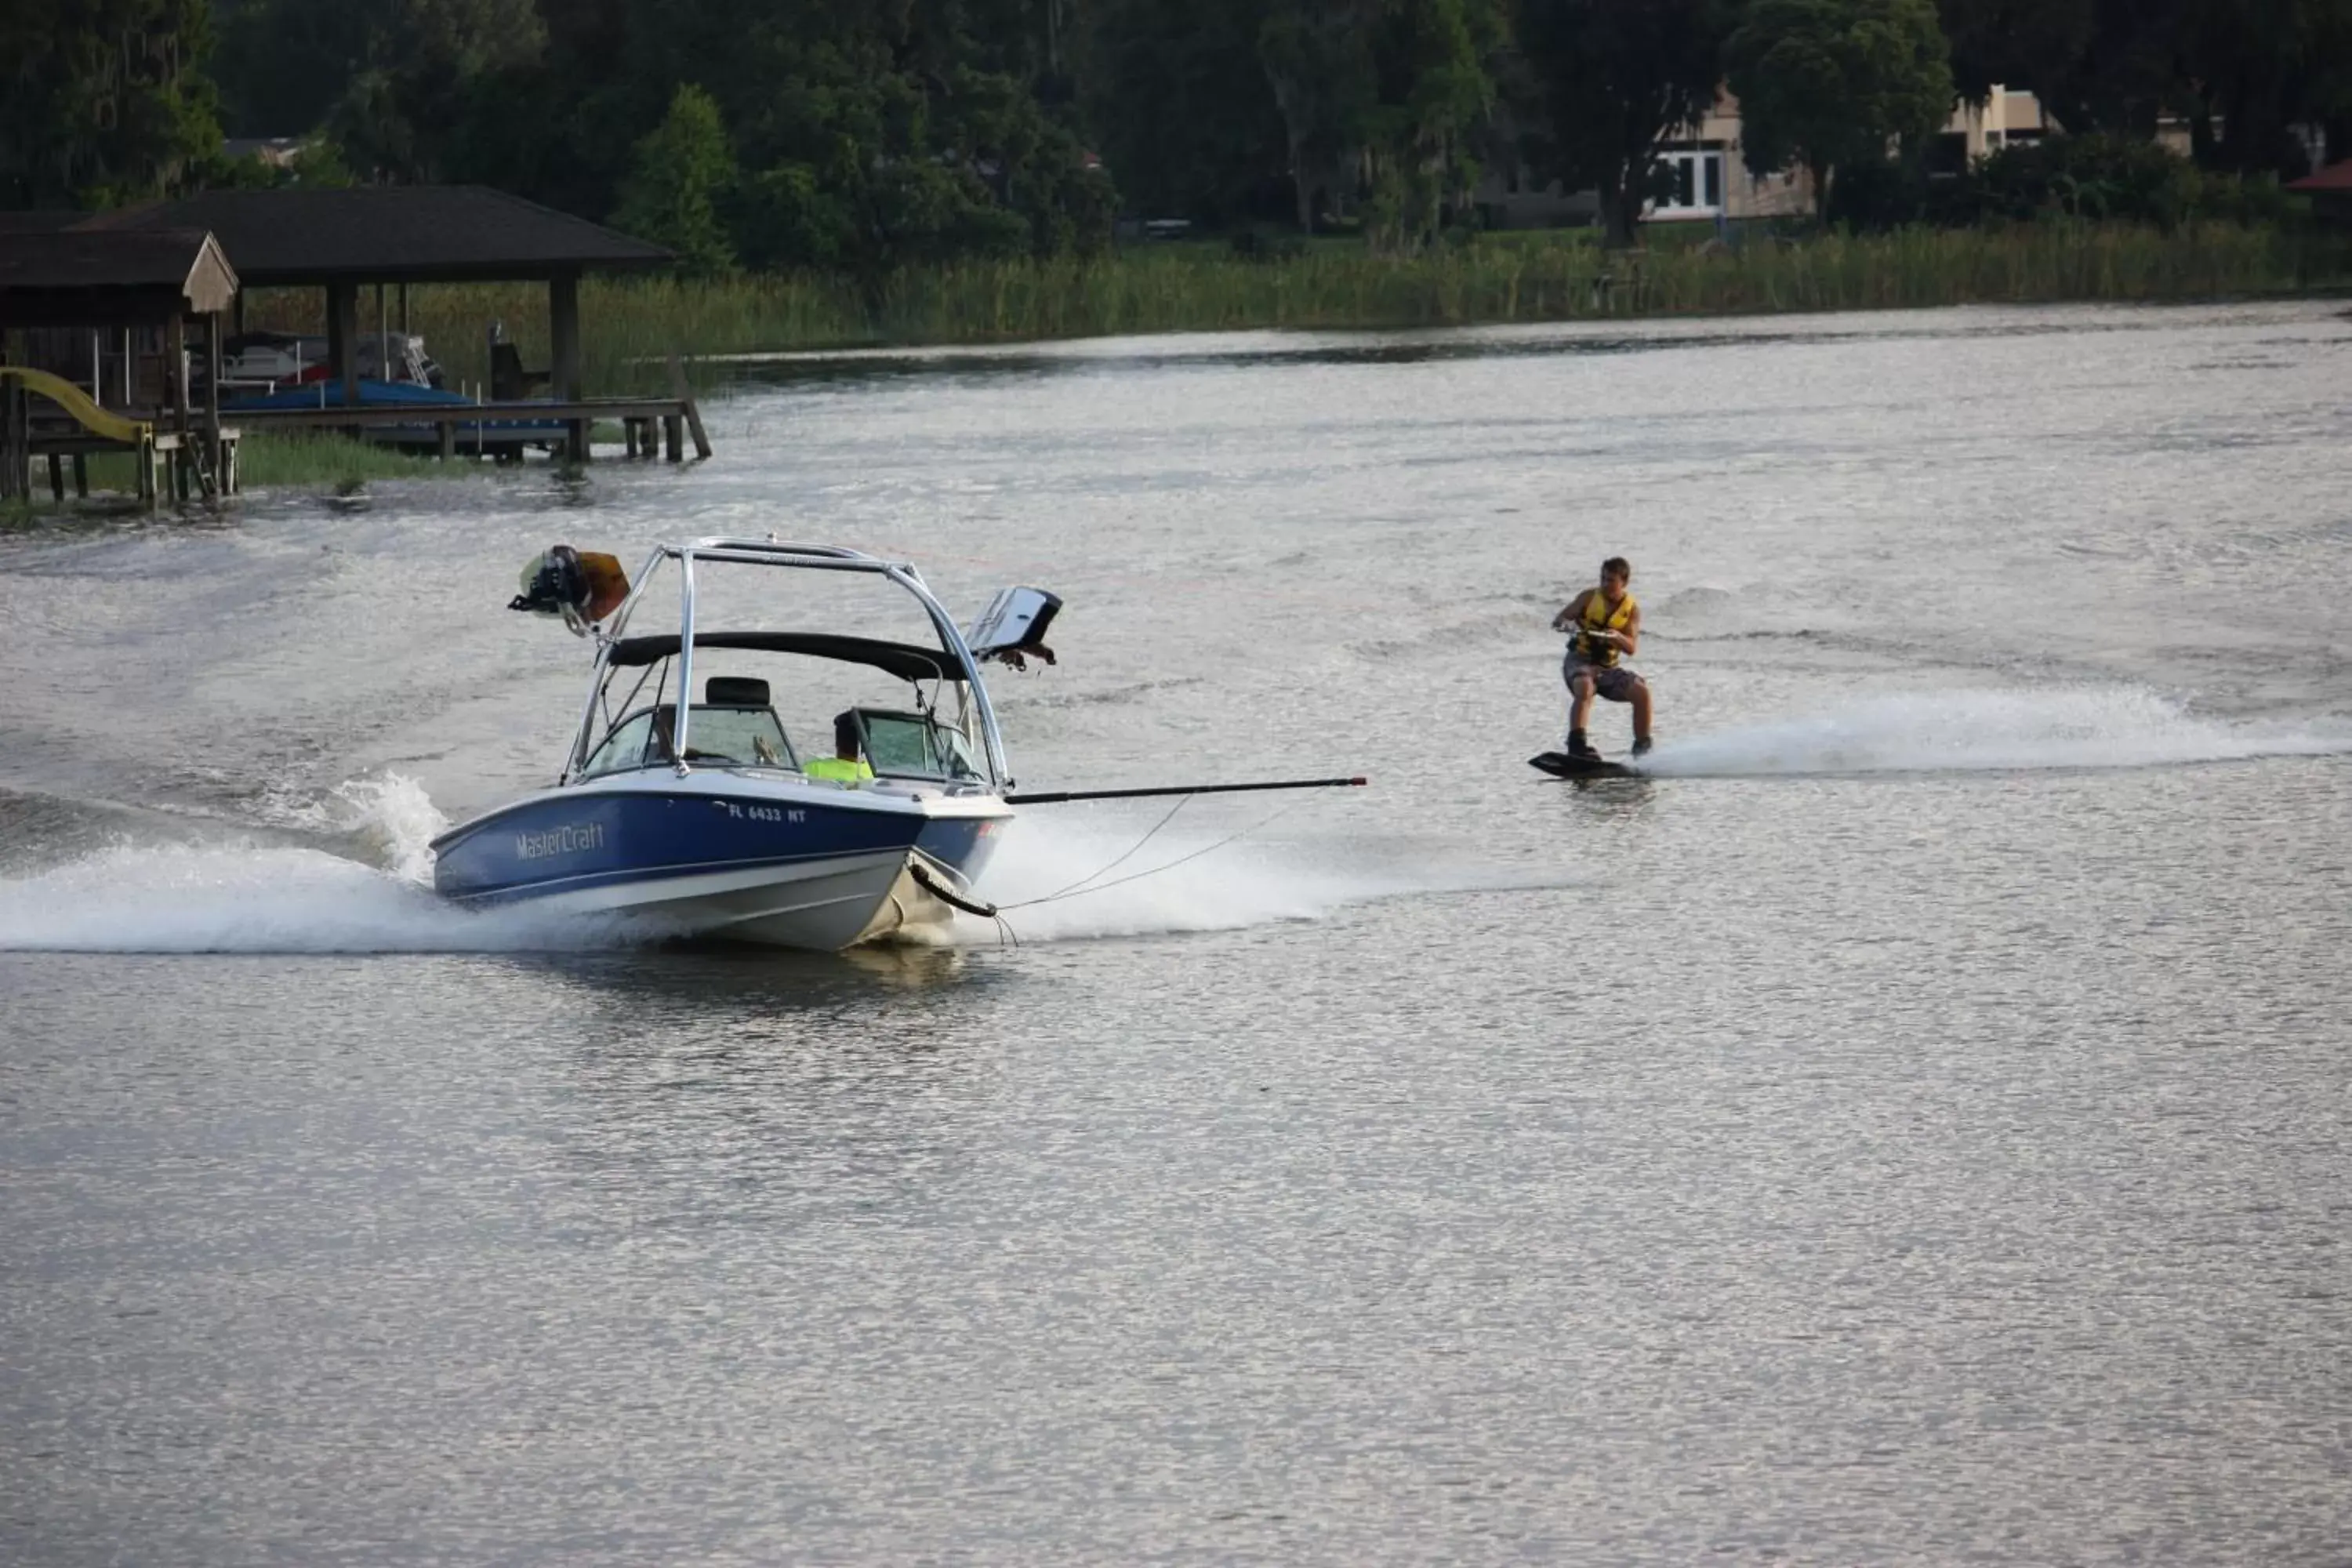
845 766
1606 626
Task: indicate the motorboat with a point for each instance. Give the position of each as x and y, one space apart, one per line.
687 807
499 432
272 371
262 362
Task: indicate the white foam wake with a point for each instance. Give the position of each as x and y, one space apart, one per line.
2061 727
246 896
388 820
1188 880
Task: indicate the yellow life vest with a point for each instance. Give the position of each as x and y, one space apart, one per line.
837 770
1599 616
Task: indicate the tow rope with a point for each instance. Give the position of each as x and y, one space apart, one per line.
947 895
1091 882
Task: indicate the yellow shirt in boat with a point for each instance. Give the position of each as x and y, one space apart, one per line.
838 770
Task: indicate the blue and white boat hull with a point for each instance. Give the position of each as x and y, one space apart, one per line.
727 855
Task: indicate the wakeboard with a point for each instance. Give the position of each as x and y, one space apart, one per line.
1561 765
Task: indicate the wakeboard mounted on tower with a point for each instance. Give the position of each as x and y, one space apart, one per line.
1012 630
583 587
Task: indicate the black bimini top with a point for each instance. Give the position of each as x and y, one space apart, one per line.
905 660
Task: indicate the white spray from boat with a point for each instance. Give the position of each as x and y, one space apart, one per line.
244 895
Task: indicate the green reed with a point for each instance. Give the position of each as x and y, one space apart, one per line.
327 460
632 326
322 461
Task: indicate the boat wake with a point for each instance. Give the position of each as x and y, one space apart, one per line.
1060 881
251 897
248 895
2068 727
369 888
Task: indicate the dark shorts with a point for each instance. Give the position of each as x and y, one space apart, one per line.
1612 681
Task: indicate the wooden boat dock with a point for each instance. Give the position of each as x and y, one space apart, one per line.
123 288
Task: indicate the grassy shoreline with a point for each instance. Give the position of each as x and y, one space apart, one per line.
632 324
325 462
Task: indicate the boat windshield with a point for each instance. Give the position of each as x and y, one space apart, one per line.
721 736
912 745
936 727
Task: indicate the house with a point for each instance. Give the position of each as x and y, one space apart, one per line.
1712 182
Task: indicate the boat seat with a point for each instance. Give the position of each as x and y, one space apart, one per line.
509 381
736 692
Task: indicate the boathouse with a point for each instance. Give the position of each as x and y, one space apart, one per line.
108 293
391 237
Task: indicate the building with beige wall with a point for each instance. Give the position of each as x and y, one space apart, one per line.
2005 119
1712 182
1712 179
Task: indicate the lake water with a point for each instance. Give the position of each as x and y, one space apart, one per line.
1910 1130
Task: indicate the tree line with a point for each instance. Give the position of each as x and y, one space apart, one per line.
866 134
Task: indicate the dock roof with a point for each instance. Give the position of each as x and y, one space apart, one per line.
47 221
82 277
390 234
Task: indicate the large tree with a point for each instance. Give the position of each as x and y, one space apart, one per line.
1826 83
868 132
2095 65
427 64
868 135
1615 78
1433 98
103 100
2241 73
1385 99
2033 45
398 85
281 65
682 173
1317 58
2255 68
1183 112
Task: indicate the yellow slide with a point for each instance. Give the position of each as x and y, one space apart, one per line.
76 402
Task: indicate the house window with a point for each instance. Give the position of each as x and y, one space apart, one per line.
1697 184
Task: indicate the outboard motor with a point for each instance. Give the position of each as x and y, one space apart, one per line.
1013 627
581 587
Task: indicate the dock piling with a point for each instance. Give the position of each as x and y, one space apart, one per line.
684 392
